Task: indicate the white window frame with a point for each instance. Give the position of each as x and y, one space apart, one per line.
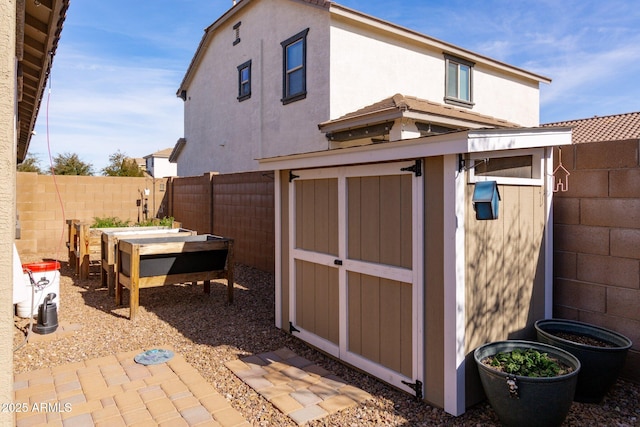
537 167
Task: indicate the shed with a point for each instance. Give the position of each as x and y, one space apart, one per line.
381 262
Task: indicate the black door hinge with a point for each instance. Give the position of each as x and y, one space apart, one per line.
292 328
417 387
292 176
416 168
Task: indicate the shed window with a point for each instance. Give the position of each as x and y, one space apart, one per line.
458 81
512 167
525 168
294 68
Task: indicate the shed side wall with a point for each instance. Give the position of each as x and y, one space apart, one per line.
505 292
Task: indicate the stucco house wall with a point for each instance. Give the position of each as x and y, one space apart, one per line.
353 60
224 135
7 197
372 61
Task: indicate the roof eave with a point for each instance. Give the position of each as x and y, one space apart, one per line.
204 42
37 62
471 141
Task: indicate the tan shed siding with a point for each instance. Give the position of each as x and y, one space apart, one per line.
434 281
380 313
505 267
379 219
317 299
317 215
284 249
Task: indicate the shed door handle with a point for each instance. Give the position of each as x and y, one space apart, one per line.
337 261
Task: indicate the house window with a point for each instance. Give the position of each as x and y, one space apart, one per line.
294 68
458 81
244 81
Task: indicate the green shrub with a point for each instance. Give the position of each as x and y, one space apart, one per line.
109 222
112 222
167 221
528 363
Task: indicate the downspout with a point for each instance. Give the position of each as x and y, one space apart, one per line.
260 137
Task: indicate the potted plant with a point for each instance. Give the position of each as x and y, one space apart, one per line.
601 352
527 383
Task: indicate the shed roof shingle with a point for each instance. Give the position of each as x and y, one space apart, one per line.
617 127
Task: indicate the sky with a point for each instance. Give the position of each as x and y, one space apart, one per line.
119 63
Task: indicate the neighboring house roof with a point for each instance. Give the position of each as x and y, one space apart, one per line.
162 153
399 106
141 163
618 127
363 19
38 29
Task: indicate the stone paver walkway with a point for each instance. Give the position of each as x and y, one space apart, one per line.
116 391
301 390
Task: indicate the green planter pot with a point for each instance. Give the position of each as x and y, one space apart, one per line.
539 401
600 365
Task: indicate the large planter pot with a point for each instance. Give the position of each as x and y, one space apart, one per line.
600 365
528 401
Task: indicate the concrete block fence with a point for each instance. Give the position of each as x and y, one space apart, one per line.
597 240
240 206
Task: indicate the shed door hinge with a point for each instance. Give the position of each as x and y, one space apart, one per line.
417 387
292 176
416 168
292 328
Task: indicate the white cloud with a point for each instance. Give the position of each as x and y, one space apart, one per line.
98 107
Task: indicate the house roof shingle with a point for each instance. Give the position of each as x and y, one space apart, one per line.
618 127
401 103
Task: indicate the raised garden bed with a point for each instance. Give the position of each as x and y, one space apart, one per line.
145 263
109 242
84 243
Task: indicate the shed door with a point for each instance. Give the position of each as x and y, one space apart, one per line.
356 244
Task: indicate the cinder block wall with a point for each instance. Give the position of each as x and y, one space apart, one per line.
597 240
45 202
190 202
239 206
243 208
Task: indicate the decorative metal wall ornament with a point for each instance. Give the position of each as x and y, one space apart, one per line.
560 176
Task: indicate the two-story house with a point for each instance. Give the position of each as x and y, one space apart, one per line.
267 73
158 166
379 139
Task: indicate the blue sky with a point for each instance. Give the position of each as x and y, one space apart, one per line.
120 62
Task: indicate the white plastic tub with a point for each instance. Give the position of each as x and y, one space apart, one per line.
46 276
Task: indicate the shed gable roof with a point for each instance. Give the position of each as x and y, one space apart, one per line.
618 127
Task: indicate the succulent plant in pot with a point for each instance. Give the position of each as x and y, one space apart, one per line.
601 352
527 383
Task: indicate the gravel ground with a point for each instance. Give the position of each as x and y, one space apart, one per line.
208 333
